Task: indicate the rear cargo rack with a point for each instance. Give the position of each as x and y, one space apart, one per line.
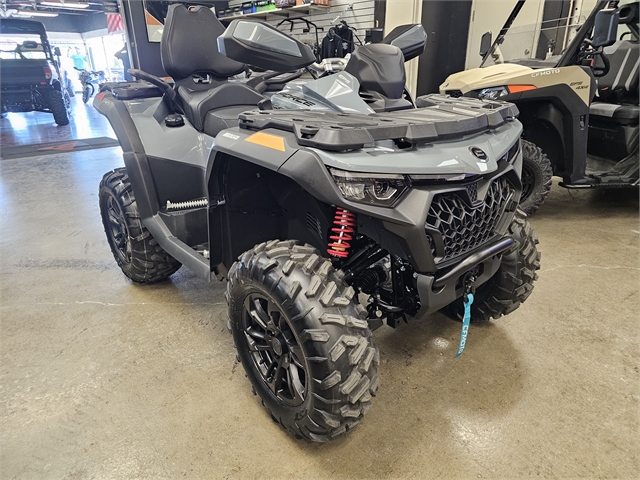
441 118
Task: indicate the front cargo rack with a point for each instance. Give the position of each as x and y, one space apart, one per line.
440 118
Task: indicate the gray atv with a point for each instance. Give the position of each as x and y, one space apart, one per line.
326 223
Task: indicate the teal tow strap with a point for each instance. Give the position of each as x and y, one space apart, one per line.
465 324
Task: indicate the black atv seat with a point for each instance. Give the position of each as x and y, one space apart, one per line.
198 103
190 55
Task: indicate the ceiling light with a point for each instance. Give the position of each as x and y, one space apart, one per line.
29 13
66 4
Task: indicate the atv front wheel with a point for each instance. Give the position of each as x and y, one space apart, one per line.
536 177
304 347
512 284
137 253
58 107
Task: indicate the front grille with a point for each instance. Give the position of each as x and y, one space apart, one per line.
472 190
461 226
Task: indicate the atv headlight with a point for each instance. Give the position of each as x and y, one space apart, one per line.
372 188
493 93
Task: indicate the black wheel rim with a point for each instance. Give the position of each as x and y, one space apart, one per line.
85 94
274 349
528 182
116 228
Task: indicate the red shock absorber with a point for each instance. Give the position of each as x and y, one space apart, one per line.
344 226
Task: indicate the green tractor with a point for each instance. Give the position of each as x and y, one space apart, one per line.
578 104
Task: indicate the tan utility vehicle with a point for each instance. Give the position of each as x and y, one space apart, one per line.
578 105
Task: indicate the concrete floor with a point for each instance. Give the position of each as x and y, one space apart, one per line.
102 378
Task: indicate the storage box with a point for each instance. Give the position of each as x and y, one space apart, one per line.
285 3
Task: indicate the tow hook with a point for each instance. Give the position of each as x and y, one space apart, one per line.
469 291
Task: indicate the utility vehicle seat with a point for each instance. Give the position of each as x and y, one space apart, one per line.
190 55
617 100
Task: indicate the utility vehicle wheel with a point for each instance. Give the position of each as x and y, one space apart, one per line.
70 88
136 251
536 177
512 283
87 92
58 107
67 103
303 345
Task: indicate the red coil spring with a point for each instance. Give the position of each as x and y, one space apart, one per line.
344 222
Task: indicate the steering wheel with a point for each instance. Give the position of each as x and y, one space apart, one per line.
597 71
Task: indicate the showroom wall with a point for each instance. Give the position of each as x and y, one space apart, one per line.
403 12
360 17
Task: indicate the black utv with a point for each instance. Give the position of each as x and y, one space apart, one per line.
30 76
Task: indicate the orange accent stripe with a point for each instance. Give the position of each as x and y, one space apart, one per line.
266 140
520 88
151 20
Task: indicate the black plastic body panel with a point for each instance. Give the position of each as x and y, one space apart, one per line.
556 119
379 68
265 55
410 39
442 118
176 181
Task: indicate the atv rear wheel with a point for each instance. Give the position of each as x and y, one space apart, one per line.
536 177
304 347
138 254
58 107
512 284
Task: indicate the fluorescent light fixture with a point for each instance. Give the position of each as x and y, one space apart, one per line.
30 13
66 4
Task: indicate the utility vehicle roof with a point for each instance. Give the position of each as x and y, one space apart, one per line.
15 26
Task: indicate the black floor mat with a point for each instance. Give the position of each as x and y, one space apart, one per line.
8 153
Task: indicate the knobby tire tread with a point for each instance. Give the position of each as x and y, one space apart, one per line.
341 358
537 161
149 262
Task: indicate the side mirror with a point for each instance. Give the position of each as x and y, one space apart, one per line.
605 30
410 39
485 44
56 51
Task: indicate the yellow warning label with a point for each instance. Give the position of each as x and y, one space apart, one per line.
266 140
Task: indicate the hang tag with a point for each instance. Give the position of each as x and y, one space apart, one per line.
466 320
